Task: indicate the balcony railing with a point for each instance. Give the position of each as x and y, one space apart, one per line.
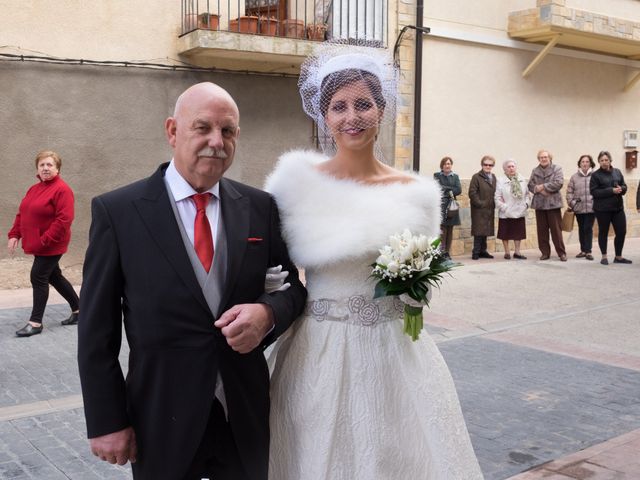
297 19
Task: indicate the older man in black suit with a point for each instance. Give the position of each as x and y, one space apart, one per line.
181 259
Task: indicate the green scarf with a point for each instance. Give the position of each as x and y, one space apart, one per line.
516 190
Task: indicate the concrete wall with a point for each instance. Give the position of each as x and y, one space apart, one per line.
107 124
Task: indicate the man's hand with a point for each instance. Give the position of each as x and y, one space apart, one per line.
539 188
245 325
117 447
12 244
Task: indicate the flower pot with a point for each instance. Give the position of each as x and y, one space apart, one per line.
292 28
244 25
209 21
317 31
268 26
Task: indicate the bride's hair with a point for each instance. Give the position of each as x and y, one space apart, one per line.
336 80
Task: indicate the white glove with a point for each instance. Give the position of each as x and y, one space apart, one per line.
274 280
406 299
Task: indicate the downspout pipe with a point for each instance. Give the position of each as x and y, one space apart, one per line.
417 79
417 99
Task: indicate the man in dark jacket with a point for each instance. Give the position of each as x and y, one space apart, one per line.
181 258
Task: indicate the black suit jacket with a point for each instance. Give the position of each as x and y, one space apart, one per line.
137 270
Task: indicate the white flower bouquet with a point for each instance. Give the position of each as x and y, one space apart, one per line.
408 267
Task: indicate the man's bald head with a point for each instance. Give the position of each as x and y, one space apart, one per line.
203 132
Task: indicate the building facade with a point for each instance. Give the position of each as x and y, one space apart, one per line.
510 77
503 77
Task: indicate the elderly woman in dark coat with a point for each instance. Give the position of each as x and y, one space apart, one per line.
482 190
451 188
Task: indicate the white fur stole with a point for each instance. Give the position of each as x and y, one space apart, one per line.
326 220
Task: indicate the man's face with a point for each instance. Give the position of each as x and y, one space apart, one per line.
544 159
203 134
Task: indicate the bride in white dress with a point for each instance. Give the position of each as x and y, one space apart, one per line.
353 398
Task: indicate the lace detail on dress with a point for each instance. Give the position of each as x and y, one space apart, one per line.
356 310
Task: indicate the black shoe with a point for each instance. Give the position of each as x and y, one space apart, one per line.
485 255
621 260
588 256
72 320
519 257
544 257
474 256
29 330
604 261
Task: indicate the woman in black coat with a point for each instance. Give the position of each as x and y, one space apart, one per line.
607 188
451 188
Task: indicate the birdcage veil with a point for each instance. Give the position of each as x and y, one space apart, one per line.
338 64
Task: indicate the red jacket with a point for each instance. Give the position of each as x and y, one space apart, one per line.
44 219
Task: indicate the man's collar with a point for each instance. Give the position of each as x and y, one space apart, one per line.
180 188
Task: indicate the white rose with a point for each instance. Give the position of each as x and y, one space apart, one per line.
383 260
393 266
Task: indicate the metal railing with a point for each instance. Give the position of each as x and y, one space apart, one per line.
302 19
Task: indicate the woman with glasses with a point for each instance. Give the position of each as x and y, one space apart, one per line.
607 188
482 189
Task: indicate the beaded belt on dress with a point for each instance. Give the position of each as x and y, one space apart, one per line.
356 310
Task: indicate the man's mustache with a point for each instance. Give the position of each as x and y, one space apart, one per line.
212 152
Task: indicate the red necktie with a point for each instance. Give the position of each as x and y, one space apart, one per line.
202 239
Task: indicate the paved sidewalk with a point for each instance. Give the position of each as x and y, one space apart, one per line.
545 356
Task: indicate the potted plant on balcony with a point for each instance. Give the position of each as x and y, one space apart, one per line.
244 24
268 25
317 31
293 28
209 21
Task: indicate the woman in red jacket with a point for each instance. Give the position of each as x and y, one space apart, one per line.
43 223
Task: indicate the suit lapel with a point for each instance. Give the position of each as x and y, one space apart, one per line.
157 214
235 215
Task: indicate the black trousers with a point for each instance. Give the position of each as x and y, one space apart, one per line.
217 457
585 231
619 221
479 244
45 271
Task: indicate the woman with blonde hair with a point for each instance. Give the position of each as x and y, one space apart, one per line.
43 224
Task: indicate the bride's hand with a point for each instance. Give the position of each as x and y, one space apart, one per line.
274 280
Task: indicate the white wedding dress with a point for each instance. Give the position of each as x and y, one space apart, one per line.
353 398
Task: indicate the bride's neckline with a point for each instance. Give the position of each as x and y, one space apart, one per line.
359 182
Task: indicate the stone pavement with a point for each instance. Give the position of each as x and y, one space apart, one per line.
545 356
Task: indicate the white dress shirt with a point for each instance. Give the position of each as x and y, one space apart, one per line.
182 191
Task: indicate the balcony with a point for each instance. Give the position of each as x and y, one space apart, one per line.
552 23
273 35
